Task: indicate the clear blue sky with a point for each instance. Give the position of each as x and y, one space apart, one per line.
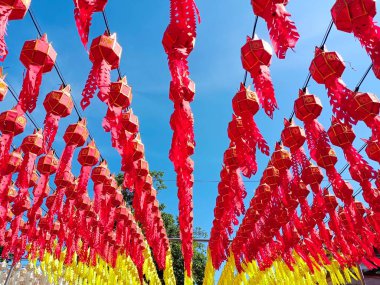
215 67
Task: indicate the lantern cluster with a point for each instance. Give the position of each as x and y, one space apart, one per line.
178 42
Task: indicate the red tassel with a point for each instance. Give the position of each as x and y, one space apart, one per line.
83 17
264 89
26 171
83 179
340 97
90 87
104 81
5 11
66 159
283 32
50 130
31 88
5 146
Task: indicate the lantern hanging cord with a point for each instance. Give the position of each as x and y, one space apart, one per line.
60 75
109 32
253 35
357 87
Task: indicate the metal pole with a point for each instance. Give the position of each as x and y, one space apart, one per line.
362 281
9 275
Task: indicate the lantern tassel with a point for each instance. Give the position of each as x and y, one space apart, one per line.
66 159
282 30
31 88
50 130
368 34
5 11
83 18
26 171
339 100
104 80
83 179
90 87
5 146
265 91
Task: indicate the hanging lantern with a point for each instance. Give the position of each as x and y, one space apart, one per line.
87 157
373 149
12 123
327 68
3 85
105 53
256 57
32 146
357 17
244 131
282 31
75 136
83 12
293 136
38 57
58 104
10 10
120 97
281 158
46 166
99 175
366 107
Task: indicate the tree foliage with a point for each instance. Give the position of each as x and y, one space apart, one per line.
172 230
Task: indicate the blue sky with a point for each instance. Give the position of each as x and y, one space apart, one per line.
215 66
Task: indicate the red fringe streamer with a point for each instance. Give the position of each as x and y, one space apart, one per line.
264 89
5 146
340 97
31 88
26 171
5 11
66 159
283 32
104 80
50 130
83 179
83 17
91 86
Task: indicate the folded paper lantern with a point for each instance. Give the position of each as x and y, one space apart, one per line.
366 107
87 157
83 12
282 31
10 10
327 68
12 123
75 136
244 132
58 104
105 53
256 57
38 57
357 17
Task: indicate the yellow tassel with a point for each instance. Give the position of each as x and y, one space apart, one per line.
208 278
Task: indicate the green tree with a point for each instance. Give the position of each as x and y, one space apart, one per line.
172 230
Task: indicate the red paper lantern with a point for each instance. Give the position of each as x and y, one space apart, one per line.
281 158
105 55
312 175
307 107
12 123
373 149
293 136
245 102
120 95
75 136
87 157
83 14
38 57
282 31
340 134
366 107
58 104
356 16
10 10
271 176
130 122
327 68
256 57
